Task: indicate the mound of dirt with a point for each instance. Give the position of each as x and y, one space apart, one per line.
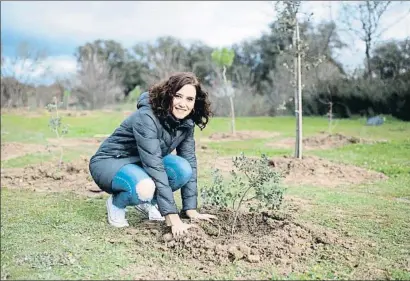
73 176
316 171
322 141
240 135
312 170
11 150
258 238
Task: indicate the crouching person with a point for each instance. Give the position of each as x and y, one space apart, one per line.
135 165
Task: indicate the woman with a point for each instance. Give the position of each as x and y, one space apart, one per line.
135 164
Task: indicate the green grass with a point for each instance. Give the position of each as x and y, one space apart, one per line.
28 159
49 236
35 129
391 158
249 147
65 236
34 158
381 220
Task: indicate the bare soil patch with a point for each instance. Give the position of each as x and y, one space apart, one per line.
240 135
322 141
260 238
73 176
312 170
10 150
317 171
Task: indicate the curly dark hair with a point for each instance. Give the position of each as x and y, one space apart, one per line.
162 94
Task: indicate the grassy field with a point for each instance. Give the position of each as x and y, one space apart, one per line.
63 235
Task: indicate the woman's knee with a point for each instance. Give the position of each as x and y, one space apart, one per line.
145 189
181 168
133 180
186 171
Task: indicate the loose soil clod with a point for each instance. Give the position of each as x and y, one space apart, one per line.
259 238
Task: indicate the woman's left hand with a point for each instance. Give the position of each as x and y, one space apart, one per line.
194 215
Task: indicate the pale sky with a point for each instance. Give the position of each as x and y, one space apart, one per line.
62 26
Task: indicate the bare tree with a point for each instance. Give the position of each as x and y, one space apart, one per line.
289 28
242 89
44 95
96 84
363 20
163 64
162 59
19 73
246 91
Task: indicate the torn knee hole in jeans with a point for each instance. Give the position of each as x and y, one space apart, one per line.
145 189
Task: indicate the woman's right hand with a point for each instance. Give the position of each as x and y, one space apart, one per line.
178 227
181 229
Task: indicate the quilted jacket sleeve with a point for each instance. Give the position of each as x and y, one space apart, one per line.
145 132
189 194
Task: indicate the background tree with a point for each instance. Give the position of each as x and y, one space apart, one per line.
161 58
119 61
262 72
363 20
391 59
19 73
96 84
288 24
199 60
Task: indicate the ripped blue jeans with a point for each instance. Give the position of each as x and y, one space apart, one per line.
126 179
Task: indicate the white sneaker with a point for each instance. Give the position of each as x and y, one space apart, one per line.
116 216
151 211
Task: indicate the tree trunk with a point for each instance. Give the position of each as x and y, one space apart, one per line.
233 129
233 117
369 69
299 89
295 67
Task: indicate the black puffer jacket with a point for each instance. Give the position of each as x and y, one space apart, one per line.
144 139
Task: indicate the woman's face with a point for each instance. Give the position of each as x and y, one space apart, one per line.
184 101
